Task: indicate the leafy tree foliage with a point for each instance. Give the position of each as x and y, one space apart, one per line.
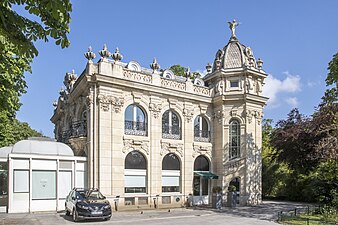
17 36
331 94
180 71
300 155
12 130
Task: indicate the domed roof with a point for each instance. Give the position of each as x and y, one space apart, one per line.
234 55
4 151
42 148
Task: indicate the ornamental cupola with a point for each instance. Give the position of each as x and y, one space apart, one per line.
235 54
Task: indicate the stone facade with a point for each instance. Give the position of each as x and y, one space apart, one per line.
113 109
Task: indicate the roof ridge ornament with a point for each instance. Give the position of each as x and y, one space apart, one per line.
90 54
117 56
104 53
155 66
232 26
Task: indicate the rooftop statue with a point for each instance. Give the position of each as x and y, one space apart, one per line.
232 26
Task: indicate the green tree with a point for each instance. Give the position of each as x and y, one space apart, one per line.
12 130
331 94
17 37
179 70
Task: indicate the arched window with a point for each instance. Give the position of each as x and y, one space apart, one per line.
201 129
135 121
201 184
171 171
135 173
234 139
171 127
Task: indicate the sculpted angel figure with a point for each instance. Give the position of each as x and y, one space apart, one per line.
232 26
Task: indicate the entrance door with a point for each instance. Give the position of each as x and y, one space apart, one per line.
201 183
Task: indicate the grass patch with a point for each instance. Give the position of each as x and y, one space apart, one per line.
310 219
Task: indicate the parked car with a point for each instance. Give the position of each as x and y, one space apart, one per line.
87 204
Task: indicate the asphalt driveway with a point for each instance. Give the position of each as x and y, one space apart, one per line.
262 214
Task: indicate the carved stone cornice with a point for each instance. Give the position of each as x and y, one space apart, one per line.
167 147
131 144
155 109
201 150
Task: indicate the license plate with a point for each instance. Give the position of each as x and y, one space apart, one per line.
96 213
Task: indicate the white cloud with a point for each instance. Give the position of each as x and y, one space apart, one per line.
273 87
312 83
292 101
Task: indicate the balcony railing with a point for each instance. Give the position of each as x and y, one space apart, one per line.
135 128
171 132
78 129
201 135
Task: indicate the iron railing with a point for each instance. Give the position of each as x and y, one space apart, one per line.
171 132
201 135
135 128
78 129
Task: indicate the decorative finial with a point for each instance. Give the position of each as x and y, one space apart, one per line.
155 66
208 67
232 26
187 73
104 53
259 63
55 105
90 55
117 55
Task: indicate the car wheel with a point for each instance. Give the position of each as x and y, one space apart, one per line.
67 212
108 218
75 217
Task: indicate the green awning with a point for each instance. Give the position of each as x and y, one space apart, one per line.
207 175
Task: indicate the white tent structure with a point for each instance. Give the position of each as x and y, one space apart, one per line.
41 173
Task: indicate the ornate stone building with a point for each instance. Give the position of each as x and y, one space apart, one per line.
154 138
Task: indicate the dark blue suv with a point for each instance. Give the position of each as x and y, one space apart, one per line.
87 204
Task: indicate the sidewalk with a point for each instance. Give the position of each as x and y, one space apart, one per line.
262 214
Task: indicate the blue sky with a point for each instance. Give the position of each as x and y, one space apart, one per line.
295 39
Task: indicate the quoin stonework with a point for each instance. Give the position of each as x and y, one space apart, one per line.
153 138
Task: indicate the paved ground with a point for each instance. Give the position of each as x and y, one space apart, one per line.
263 215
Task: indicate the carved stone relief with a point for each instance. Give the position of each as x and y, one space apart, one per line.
188 113
107 100
167 147
220 114
130 144
155 109
201 150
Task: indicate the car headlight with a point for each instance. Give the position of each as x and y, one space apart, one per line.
82 206
106 207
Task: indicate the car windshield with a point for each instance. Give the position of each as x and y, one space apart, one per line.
95 195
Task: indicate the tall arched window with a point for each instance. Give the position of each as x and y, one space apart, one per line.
135 121
234 139
200 183
171 171
201 129
171 127
135 173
